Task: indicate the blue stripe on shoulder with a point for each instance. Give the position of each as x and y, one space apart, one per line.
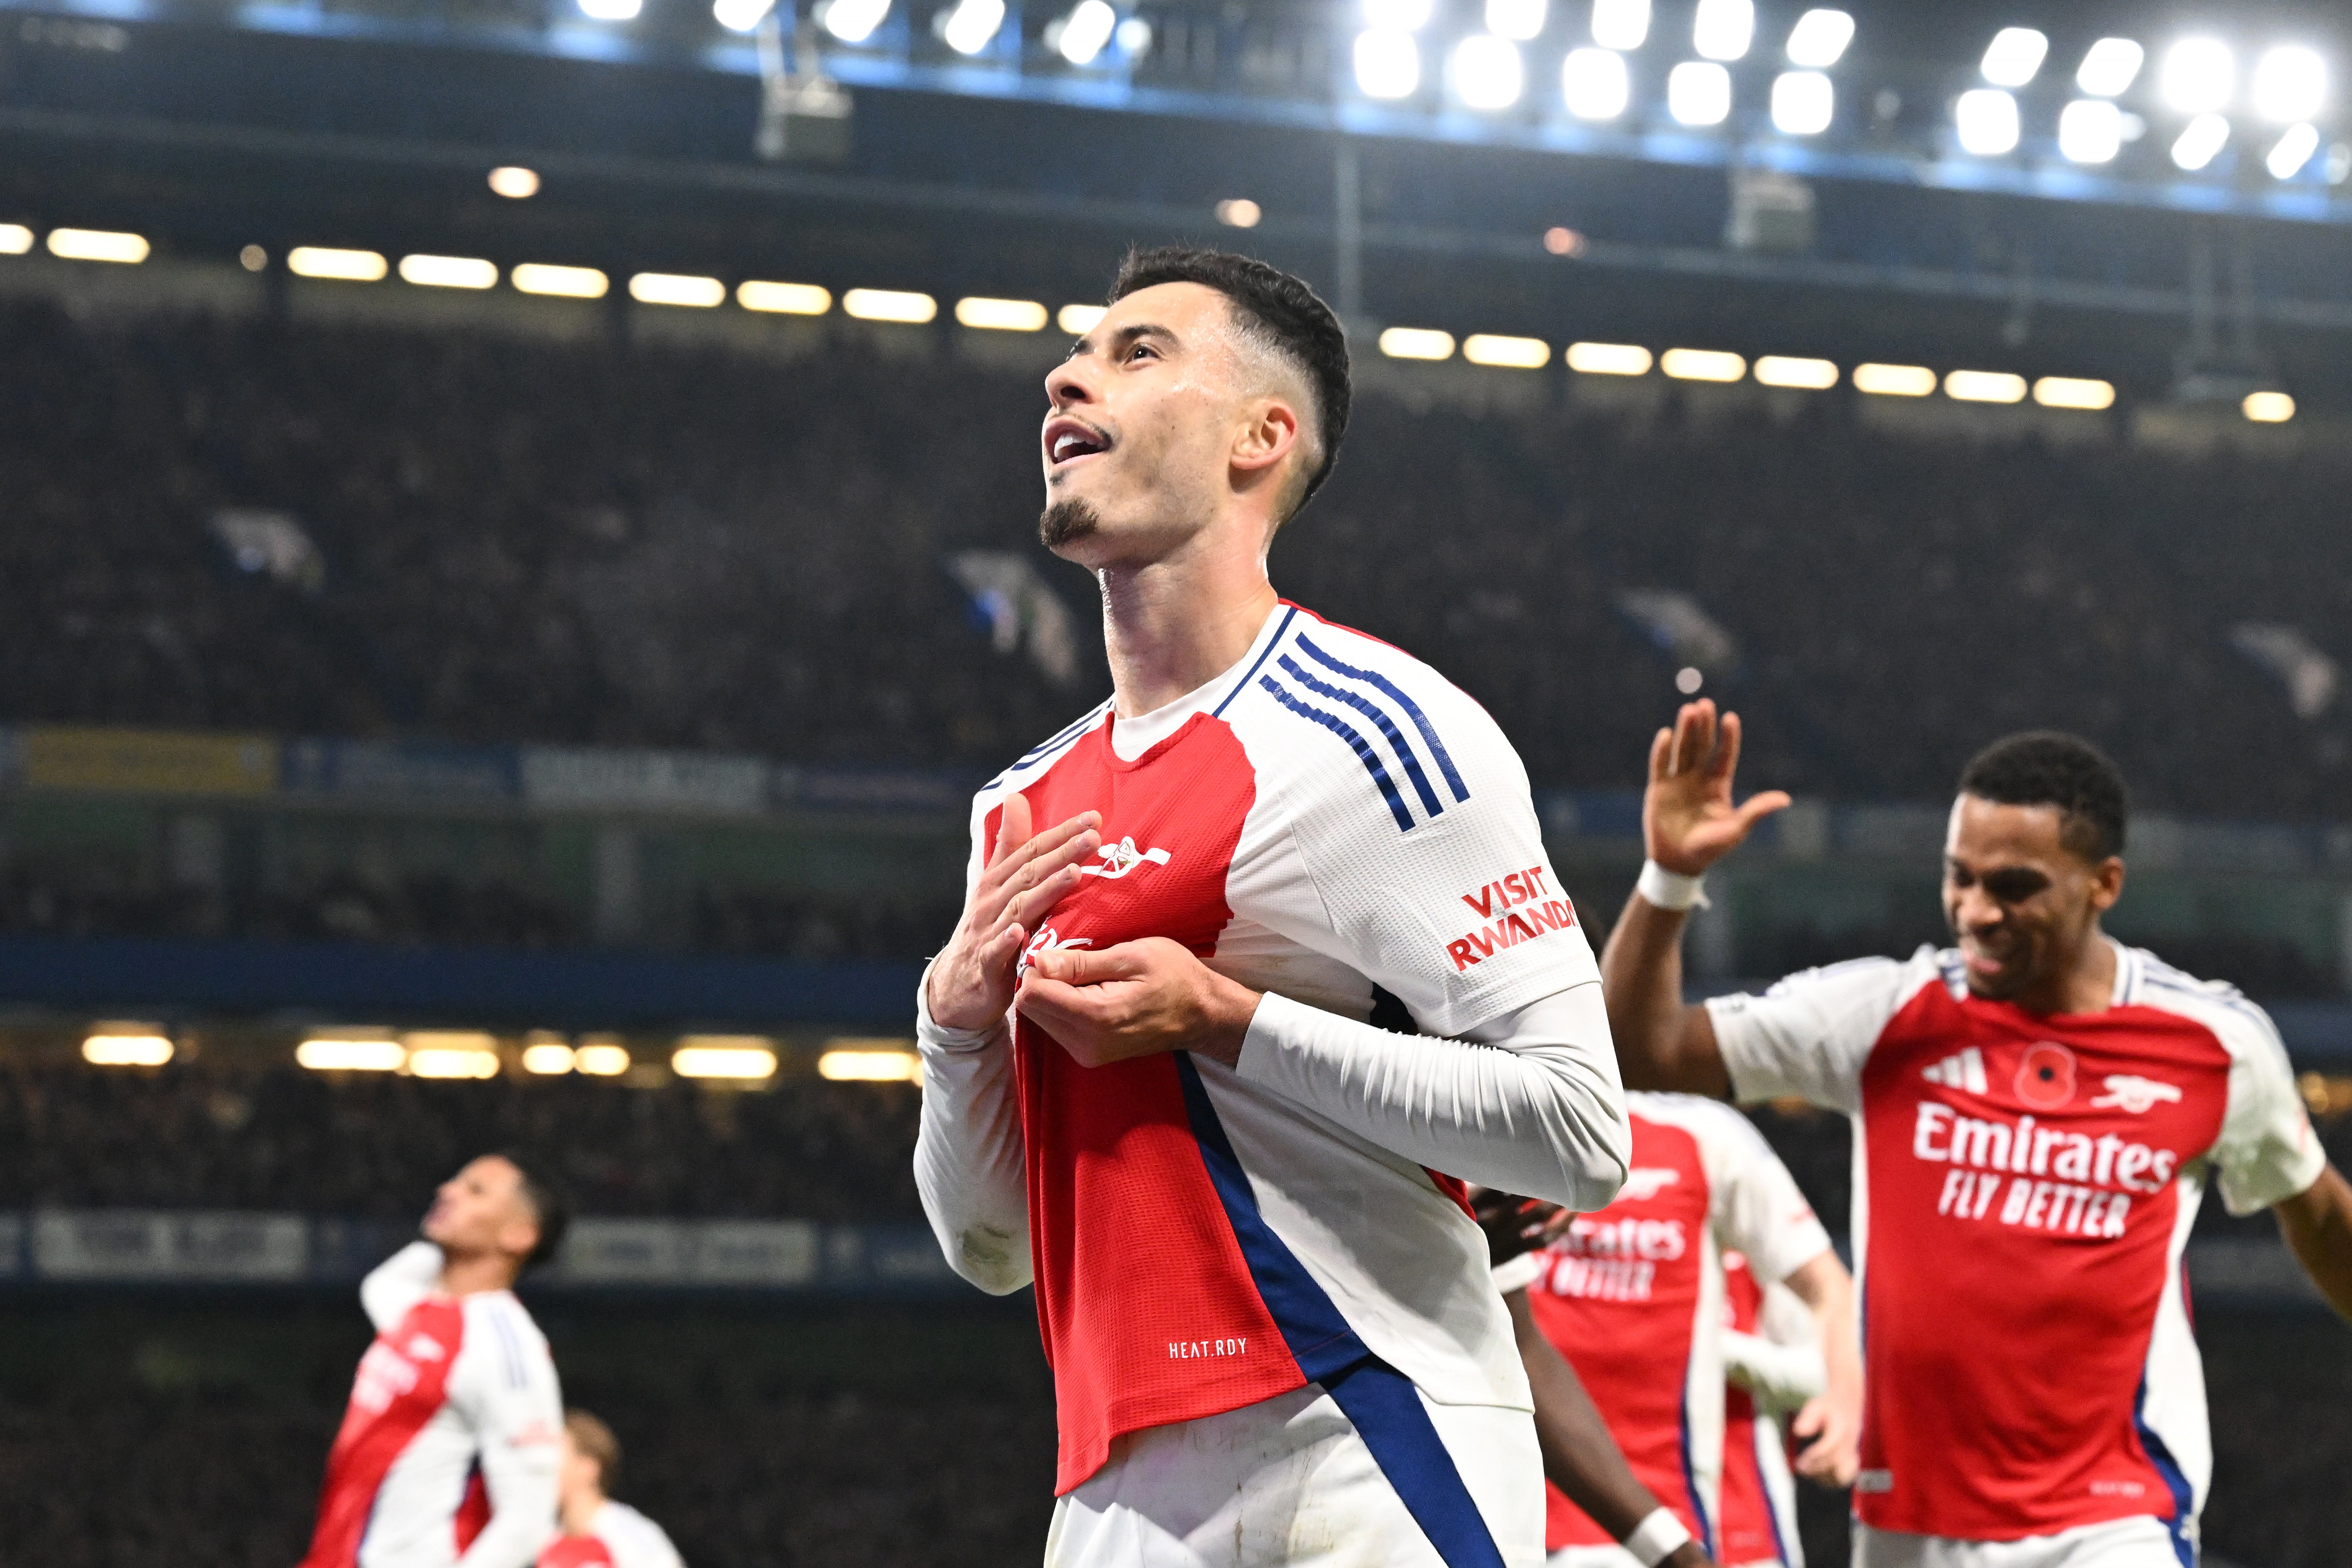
1379 1401
1378 716
1362 748
1038 756
1412 711
1242 685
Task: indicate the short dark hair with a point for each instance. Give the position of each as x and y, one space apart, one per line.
548 1204
2046 767
1278 310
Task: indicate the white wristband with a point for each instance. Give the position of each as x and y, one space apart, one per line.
1670 890
1658 1537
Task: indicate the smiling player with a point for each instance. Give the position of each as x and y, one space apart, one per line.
1152 1081
2037 1112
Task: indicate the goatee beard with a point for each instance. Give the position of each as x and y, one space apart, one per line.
1066 522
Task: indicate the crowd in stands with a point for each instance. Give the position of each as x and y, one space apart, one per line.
660 546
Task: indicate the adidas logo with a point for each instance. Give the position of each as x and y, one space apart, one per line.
1965 1070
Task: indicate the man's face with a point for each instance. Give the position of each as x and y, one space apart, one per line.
482 1209
1141 427
579 1478
2019 900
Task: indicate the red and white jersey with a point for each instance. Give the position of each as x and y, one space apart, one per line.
1757 1517
618 1537
1329 818
2023 1190
1632 1296
448 1449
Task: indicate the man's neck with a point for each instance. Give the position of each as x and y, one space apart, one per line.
1171 626
2087 985
579 1512
471 1273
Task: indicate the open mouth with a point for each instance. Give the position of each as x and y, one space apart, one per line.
1069 441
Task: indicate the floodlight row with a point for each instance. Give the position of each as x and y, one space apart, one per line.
472 1054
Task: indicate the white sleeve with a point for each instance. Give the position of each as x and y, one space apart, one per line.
1782 1377
399 1282
2267 1151
634 1541
1754 1205
1519 1273
1809 1034
1531 1104
511 1397
970 1166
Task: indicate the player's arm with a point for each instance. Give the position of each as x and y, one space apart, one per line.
1829 1424
969 1159
508 1390
1781 1364
2317 1225
399 1282
1688 823
1580 1457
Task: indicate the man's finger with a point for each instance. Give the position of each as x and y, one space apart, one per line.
1726 750
1758 807
1080 966
1039 857
1012 827
1661 755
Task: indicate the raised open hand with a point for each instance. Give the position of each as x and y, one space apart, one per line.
1688 822
971 984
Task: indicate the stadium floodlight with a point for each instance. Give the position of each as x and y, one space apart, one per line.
1594 84
1702 365
351 1052
1080 319
1085 30
972 25
549 1057
2198 76
1985 118
740 15
97 245
1134 37
1239 212
1620 24
433 1053
2014 55
1698 92
784 299
1608 359
600 1056
126 1045
1416 343
1783 369
986 315
852 21
1522 21
1722 29
515 183
2074 392
2290 84
15 240
562 282
1506 353
1894 380
449 271
2090 131
1397 16
2200 142
724 1055
2292 151
1387 63
676 289
890 305
345 266
610 10
1804 103
1818 41
1985 386
2109 67
2268 407
1487 72
869 1061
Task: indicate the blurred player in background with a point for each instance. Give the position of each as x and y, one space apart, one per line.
598 1529
1153 1080
448 1454
1772 1362
2037 1111
1634 1296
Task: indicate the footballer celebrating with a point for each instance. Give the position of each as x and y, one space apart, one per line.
2038 1111
1155 1085
447 1455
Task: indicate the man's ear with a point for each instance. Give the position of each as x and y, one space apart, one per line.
2107 883
1269 433
519 1235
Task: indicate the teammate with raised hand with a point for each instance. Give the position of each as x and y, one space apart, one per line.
2037 1110
1154 1084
